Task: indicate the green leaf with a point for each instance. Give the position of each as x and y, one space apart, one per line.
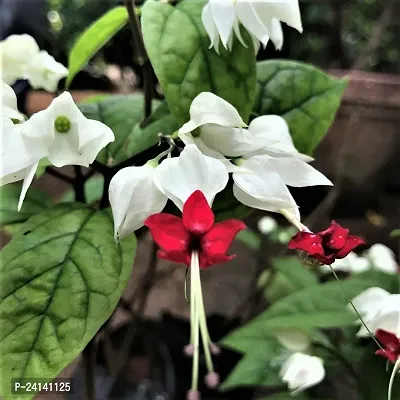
41 169
123 114
61 278
290 276
374 376
288 396
93 190
395 233
321 306
250 238
305 96
259 367
93 39
35 202
178 47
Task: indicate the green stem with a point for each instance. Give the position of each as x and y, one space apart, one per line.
293 220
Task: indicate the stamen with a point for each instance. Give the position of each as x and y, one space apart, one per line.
396 369
194 320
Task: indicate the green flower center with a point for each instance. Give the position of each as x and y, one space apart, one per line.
62 124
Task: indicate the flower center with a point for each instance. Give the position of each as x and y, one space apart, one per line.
195 243
62 124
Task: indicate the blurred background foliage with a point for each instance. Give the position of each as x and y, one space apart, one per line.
336 33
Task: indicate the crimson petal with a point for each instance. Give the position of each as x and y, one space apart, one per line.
387 354
179 257
168 232
351 243
336 236
206 260
197 215
219 238
387 338
308 242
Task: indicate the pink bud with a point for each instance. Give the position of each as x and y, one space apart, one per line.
193 395
212 380
215 350
189 350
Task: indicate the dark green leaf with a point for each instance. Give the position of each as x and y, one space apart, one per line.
305 96
259 367
374 376
178 47
288 396
35 202
395 233
93 39
93 190
61 278
123 114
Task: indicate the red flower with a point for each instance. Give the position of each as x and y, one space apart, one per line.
195 231
391 344
328 245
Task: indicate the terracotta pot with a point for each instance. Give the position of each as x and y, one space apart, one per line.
366 134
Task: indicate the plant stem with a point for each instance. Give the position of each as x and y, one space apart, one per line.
60 175
140 56
78 185
104 198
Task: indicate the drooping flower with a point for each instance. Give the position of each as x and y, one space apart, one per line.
328 245
269 159
179 177
379 310
16 51
134 197
9 107
194 240
196 232
44 72
301 371
382 258
61 133
261 18
391 345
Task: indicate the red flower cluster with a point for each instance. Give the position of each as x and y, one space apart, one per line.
195 231
328 245
391 345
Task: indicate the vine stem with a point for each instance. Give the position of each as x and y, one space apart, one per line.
78 184
140 57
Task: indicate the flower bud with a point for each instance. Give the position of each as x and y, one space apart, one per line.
62 124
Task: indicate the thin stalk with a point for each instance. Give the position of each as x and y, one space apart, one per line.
396 368
294 221
79 184
194 267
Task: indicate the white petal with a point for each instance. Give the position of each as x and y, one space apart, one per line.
369 299
263 188
179 177
382 258
275 32
9 103
301 371
232 142
297 173
133 198
30 174
210 27
223 14
250 20
236 30
207 108
44 72
287 11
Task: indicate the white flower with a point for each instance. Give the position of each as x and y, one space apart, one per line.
352 264
261 18
179 177
133 198
266 225
71 138
9 107
379 310
15 53
301 371
44 72
382 258
61 133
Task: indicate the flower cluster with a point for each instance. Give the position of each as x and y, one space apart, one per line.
261 18
60 133
22 59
